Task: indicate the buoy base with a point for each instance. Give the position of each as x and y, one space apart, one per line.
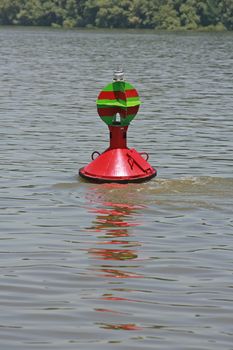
121 165
116 180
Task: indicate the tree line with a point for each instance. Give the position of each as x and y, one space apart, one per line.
147 14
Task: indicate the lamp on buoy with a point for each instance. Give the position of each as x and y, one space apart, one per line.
117 105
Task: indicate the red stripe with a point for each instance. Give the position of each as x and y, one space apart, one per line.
131 93
110 112
114 95
132 110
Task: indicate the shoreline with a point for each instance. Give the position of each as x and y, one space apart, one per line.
209 29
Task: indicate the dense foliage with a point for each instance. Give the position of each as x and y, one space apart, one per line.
154 14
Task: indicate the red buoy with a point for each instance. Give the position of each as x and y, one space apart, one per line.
117 105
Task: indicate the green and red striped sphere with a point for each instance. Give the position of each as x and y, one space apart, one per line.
118 97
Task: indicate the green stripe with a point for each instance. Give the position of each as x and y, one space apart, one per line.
131 102
105 106
107 120
114 87
124 121
128 86
113 103
118 86
131 99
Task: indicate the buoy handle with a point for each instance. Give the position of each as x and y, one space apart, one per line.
93 155
144 154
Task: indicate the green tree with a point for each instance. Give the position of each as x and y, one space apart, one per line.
226 10
142 13
188 15
42 13
112 13
89 12
9 10
162 14
167 17
208 12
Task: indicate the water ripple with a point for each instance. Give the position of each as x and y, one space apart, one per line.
142 266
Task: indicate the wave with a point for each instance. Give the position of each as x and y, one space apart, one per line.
204 185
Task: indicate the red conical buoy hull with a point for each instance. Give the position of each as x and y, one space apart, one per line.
120 165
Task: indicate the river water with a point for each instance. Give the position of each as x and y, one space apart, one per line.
138 266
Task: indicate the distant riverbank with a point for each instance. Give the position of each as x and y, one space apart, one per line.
171 15
218 28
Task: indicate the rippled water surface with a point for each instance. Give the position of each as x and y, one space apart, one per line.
139 266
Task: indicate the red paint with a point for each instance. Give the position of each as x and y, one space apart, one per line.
125 327
111 111
118 137
114 95
118 163
131 93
